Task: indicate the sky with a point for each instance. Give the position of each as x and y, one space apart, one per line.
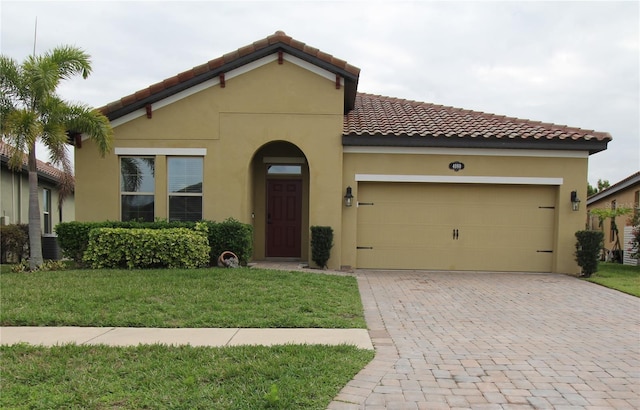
569 63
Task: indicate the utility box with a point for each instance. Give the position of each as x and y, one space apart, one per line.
50 247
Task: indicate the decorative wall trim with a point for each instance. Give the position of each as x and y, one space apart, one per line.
183 152
466 151
284 160
450 179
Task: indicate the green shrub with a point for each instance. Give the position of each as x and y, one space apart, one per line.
321 244
14 242
588 247
73 237
147 248
230 235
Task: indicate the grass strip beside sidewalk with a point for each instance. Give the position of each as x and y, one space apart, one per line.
158 376
199 298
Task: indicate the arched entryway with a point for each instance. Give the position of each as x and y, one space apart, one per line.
280 202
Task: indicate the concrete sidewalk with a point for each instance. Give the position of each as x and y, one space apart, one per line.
121 336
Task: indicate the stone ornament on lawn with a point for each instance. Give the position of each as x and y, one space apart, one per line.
228 259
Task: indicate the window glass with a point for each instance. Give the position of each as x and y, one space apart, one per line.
137 188
185 175
284 170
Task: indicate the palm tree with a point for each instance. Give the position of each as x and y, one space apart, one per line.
31 111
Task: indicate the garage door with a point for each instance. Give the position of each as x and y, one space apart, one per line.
455 226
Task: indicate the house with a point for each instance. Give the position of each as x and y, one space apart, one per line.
277 135
622 194
14 194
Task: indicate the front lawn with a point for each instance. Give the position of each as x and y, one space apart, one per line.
198 298
157 376
624 278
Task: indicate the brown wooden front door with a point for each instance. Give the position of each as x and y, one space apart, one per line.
284 217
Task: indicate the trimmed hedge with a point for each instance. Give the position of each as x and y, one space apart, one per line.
588 247
229 235
147 248
321 244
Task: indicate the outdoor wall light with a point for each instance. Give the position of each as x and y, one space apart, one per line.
348 197
575 201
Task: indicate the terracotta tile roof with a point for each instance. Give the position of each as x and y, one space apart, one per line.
267 46
45 169
380 116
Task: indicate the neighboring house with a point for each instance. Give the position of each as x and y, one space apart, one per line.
276 134
623 194
14 194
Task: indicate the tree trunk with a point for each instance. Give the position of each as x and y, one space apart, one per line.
35 239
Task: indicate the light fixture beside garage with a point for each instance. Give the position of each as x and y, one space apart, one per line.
575 201
348 197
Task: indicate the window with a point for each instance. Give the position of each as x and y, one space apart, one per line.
185 188
137 188
284 169
46 208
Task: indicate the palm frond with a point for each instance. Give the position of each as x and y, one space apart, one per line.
91 122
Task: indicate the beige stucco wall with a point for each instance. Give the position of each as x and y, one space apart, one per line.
270 103
573 171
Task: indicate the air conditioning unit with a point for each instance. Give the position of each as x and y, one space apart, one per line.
5 220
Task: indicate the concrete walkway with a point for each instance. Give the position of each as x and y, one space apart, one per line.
120 336
477 340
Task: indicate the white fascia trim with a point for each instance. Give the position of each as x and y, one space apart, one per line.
451 179
228 75
467 151
183 152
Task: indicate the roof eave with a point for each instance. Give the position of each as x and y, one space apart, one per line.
592 146
351 80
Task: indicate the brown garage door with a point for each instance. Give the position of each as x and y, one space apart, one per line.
456 226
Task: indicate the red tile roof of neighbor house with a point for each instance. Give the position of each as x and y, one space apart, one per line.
45 169
378 120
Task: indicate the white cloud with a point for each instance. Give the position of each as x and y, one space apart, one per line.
574 63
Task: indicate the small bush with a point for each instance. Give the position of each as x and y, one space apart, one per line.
321 244
588 247
147 248
14 242
230 235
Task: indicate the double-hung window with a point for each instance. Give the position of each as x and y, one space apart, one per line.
137 188
185 188
46 210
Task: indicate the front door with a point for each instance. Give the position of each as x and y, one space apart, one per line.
284 217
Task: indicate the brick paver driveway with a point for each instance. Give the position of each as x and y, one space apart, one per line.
496 341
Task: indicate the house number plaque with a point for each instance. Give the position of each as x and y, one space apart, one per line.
456 166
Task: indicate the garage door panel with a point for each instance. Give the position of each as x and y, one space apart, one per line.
413 226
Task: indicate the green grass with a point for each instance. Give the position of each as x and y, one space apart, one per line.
620 277
241 297
157 376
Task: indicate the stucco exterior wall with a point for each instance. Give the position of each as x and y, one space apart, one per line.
572 168
270 103
14 200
